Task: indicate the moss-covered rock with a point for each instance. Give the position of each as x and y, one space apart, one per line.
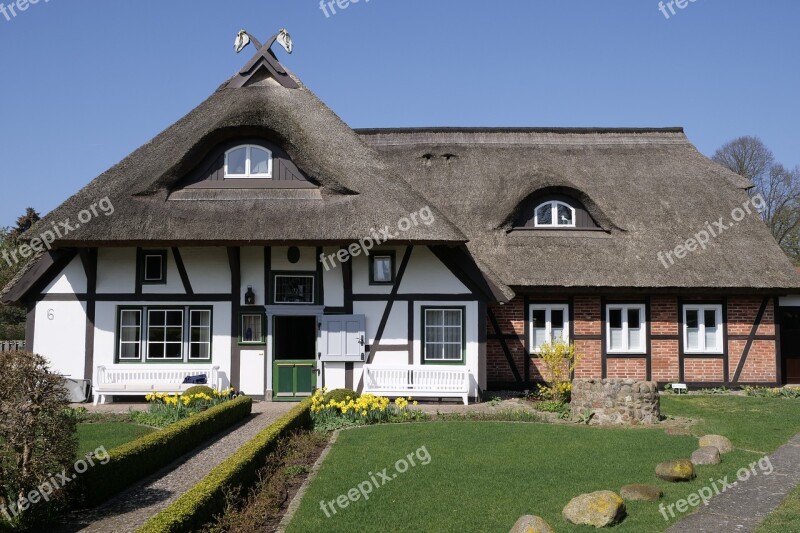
718 441
531 524
599 509
680 470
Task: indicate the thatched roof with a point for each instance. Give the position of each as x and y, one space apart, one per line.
357 192
649 189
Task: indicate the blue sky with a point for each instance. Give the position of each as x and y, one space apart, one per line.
85 82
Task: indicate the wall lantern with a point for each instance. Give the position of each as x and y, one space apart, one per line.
250 296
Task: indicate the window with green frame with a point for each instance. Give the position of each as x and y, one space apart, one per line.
252 327
163 334
443 335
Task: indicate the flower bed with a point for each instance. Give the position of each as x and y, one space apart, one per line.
166 409
360 410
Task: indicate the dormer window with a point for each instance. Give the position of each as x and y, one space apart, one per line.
248 161
555 214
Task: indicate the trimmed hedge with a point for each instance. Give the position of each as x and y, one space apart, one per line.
142 457
201 503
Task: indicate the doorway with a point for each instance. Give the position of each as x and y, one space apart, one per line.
295 357
790 344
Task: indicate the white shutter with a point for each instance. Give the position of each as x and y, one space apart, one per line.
342 338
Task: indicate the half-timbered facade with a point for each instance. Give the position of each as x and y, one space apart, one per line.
263 242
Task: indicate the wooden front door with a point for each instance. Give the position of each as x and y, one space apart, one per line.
790 344
294 370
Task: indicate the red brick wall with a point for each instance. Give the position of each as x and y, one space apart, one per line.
664 321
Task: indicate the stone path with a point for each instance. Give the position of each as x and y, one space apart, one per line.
132 508
744 507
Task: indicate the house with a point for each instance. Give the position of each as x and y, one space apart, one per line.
262 241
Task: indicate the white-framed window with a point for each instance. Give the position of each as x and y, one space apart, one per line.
199 334
443 339
702 329
248 161
625 328
130 335
549 323
165 334
554 214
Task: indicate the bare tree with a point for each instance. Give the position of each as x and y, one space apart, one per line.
780 187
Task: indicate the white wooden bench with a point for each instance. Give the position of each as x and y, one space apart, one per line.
133 380
418 382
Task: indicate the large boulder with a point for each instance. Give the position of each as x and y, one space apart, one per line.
531 524
680 470
599 509
641 493
707 455
718 441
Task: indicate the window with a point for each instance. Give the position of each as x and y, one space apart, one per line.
549 323
199 334
156 335
130 334
702 329
293 288
443 338
154 267
625 328
381 268
165 334
253 326
248 161
555 214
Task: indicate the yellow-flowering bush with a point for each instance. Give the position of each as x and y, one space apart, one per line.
364 410
167 408
559 360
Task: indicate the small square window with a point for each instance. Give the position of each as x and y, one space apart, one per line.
154 267
381 268
252 331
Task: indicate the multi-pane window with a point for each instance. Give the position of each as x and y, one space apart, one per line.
702 328
294 289
381 269
164 334
625 328
248 161
199 334
549 324
130 334
555 214
252 328
443 335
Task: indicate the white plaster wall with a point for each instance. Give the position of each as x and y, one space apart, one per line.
470 322
374 311
790 301
116 271
208 270
174 284
72 279
253 372
62 339
334 375
333 282
426 274
396 331
307 263
393 359
252 268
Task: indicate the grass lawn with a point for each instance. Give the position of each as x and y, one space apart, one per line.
785 518
484 475
91 436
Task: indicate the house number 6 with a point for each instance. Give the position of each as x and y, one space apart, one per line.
51 315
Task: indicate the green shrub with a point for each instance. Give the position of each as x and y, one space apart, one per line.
199 389
559 360
341 395
201 503
140 458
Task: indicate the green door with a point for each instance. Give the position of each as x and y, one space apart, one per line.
294 370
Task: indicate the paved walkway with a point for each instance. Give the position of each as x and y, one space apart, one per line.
135 506
744 507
